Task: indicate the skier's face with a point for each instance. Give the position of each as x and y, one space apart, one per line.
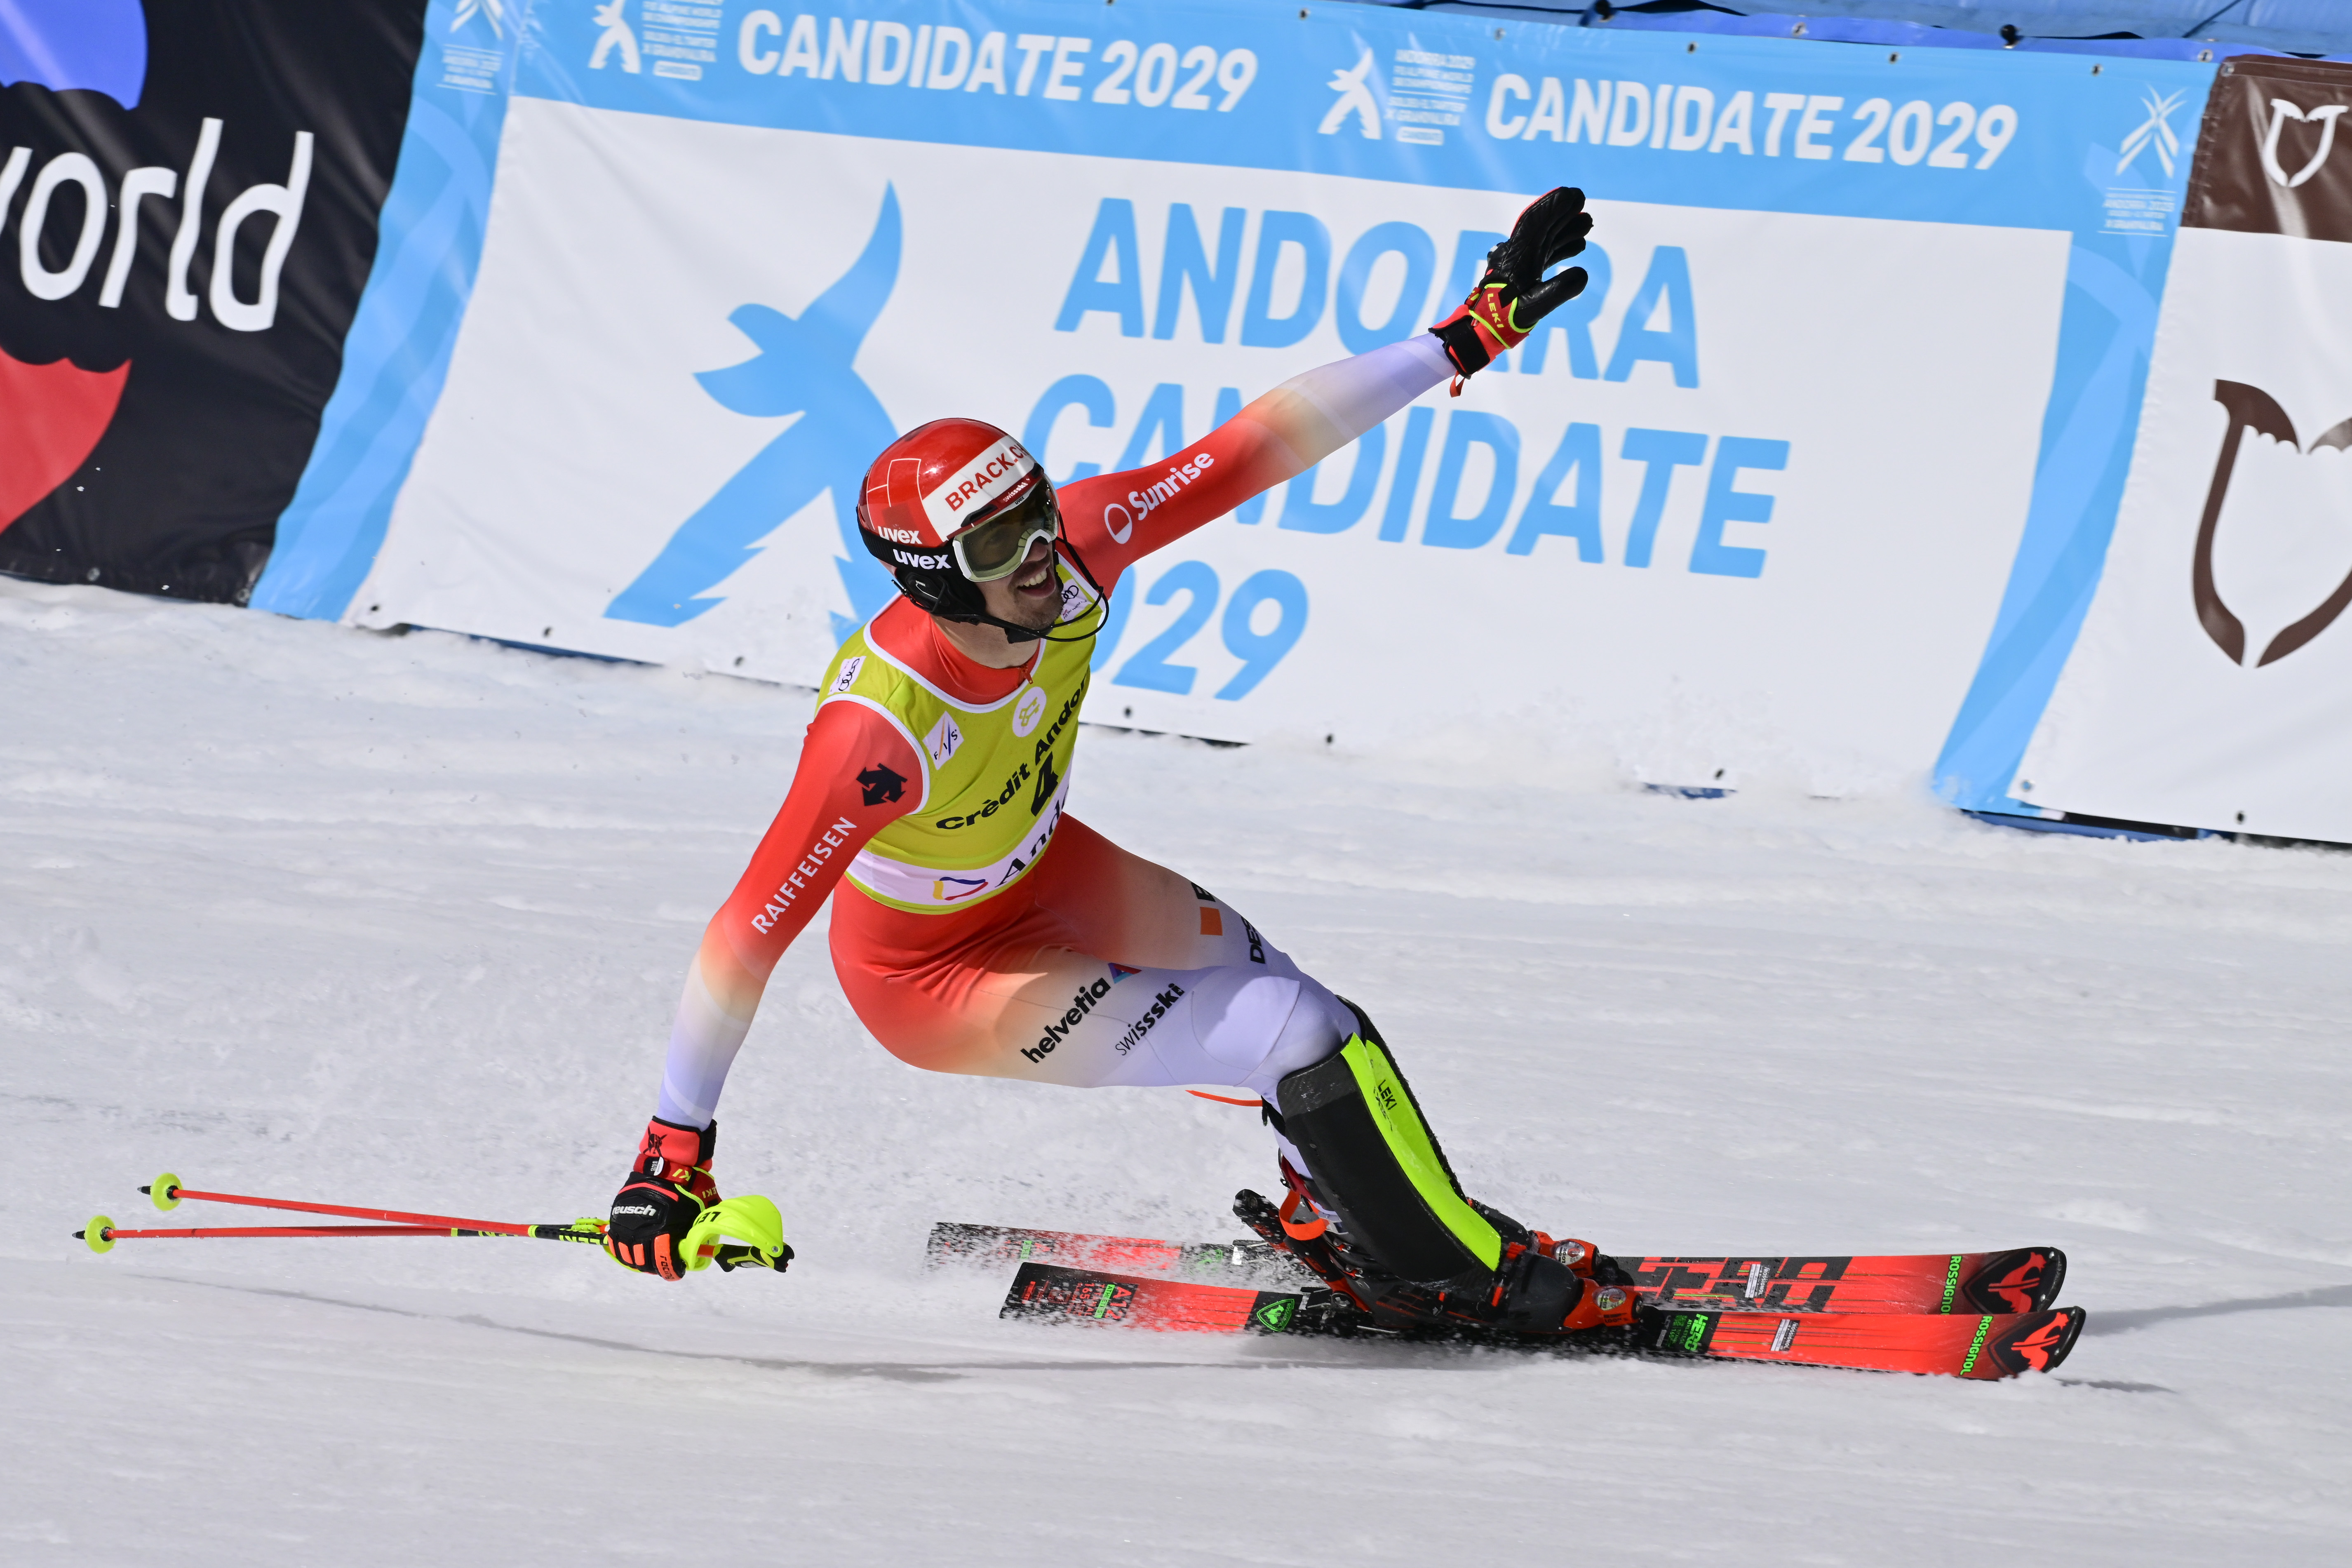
1031 596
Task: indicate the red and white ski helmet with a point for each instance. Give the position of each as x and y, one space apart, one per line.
935 482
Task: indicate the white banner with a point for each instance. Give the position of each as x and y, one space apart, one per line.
2240 717
1830 624
2212 683
1746 508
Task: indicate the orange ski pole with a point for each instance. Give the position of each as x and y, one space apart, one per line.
101 1234
167 1193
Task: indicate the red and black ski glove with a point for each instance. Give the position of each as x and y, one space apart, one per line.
667 1190
1514 294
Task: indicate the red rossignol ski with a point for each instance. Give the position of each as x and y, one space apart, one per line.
1042 1291
2022 1279
1980 1345
992 1244
1976 1345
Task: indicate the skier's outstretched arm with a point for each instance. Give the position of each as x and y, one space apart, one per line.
1115 520
857 774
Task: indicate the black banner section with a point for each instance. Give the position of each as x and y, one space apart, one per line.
2275 156
188 200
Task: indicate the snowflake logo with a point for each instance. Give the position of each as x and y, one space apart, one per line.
2155 131
494 12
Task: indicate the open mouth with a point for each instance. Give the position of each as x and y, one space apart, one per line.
1035 579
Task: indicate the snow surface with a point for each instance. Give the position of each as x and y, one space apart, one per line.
295 909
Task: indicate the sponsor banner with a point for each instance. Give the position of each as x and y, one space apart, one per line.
188 208
397 350
2212 686
1750 504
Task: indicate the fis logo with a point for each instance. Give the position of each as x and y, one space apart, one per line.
941 743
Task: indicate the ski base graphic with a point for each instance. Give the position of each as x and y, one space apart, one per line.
1976 1345
1045 1292
2021 1279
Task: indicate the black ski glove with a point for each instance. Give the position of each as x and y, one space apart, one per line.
1514 294
664 1193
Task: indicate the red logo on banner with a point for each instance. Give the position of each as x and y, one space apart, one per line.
51 417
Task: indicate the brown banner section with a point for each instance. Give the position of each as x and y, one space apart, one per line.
2275 155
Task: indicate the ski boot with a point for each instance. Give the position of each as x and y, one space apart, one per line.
1383 1222
1533 1291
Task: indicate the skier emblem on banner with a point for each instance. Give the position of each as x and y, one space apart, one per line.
616 34
806 365
1354 87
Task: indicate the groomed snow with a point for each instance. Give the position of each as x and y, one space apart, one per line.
291 909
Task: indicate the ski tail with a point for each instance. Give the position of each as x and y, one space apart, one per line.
1051 1293
2025 1281
1977 1346
1227 1261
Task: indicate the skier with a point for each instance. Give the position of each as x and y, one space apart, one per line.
985 930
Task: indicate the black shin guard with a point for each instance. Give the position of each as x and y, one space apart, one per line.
1374 1161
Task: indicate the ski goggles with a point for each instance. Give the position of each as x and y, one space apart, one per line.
996 548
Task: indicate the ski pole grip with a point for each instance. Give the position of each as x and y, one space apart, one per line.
747 1219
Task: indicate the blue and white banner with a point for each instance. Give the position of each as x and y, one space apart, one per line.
1862 323
2212 683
